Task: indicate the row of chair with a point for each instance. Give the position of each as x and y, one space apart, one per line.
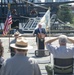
60 66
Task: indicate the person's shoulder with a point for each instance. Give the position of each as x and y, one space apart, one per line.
9 60
13 41
36 30
70 47
1 59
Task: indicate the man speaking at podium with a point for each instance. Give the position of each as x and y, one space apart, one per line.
40 36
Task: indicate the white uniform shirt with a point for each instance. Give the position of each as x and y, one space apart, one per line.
61 51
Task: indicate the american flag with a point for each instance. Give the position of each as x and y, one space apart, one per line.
7 24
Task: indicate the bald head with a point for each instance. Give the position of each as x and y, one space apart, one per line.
39 25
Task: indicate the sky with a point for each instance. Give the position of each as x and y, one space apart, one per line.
42 0
72 3
64 0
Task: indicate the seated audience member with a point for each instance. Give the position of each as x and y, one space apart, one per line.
16 35
1 54
63 50
20 64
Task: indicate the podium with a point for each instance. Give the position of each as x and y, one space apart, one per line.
41 46
41 43
40 40
45 53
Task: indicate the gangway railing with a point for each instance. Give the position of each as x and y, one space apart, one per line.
28 25
32 23
36 21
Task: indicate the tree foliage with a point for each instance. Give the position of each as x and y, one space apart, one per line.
65 13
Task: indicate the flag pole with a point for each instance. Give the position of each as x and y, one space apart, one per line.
8 23
9 26
49 24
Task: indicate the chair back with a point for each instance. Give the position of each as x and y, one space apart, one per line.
41 53
63 66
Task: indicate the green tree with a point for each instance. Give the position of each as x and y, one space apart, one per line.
65 13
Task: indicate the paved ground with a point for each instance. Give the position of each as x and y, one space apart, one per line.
42 61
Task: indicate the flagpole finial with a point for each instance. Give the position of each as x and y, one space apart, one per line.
9 6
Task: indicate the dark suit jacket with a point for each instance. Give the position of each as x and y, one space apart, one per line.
39 41
37 31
